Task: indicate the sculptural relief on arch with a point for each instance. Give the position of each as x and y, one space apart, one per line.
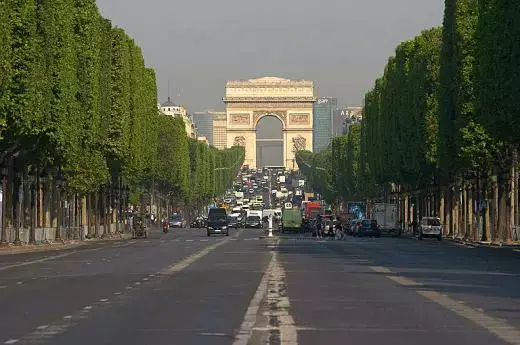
291 101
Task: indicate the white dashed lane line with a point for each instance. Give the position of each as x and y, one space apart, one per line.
43 334
497 326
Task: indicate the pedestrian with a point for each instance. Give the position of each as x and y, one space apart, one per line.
339 231
319 227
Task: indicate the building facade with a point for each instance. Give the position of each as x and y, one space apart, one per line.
171 109
323 119
219 130
290 101
204 123
352 115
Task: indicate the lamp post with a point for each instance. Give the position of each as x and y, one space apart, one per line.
3 236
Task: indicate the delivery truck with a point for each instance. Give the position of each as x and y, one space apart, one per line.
291 220
387 218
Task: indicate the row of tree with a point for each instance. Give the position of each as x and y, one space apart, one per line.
440 124
78 109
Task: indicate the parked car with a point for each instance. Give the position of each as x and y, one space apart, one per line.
367 227
177 221
430 227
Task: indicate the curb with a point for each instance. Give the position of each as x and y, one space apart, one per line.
474 244
56 246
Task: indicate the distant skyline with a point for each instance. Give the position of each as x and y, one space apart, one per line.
197 45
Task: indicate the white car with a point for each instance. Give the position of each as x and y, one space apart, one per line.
430 227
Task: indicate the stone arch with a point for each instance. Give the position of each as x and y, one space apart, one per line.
280 115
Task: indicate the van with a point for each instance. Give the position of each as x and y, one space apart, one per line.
218 222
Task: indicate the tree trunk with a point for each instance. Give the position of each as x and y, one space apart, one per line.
97 216
512 196
501 210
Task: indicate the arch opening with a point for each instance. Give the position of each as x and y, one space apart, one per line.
269 141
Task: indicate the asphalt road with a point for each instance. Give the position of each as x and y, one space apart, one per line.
186 288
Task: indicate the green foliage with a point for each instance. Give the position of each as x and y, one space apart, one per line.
498 71
75 95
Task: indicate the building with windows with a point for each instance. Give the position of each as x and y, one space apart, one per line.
171 109
204 122
352 115
219 129
323 112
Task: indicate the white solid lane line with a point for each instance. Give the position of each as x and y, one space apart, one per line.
27 263
68 321
496 326
246 329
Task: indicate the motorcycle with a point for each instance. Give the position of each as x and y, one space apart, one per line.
165 227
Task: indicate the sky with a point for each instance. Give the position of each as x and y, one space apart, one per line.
341 45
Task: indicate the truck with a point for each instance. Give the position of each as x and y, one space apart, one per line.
281 178
309 197
387 218
312 209
291 220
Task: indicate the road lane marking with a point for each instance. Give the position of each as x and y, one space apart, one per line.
500 328
380 269
179 266
27 263
43 335
246 329
404 281
497 326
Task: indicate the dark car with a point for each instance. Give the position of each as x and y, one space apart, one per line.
177 221
254 222
234 222
218 222
367 227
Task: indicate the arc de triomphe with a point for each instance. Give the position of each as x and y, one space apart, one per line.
291 101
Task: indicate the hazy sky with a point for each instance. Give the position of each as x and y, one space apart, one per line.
342 45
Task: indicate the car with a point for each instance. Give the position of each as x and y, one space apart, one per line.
234 220
198 222
430 227
367 227
218 222
254 222
177 221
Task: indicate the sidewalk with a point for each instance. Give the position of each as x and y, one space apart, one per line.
56 246
466 242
